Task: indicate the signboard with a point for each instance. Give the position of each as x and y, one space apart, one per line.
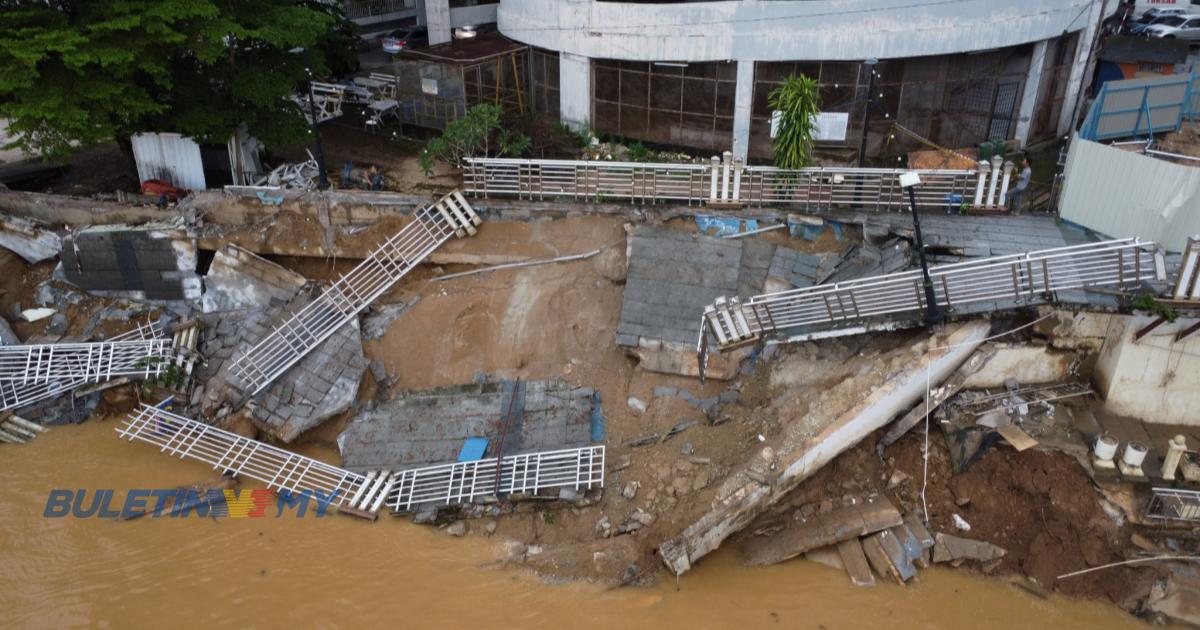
828 126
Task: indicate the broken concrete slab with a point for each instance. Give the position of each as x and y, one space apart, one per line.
379 317
151 262
937 396
822 530
239 279
801 450
429 426
672 275
28 239
949 548
322 385
7 336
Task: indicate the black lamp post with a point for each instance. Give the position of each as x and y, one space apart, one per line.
933 314
866 119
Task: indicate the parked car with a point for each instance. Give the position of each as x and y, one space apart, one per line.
1151 17
399 40
1176 27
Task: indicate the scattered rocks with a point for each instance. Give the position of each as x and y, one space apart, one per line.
625 461
639 519
637 404
898 477
457 528
630 489
489 527
687 448
603 527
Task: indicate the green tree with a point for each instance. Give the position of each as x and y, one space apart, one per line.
798 101
78 72
480 133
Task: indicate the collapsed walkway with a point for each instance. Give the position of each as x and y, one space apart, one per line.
363 494
888 301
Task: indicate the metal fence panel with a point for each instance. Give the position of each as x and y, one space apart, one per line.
1140 106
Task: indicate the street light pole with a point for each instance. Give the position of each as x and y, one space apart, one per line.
323 177
933 314
866 119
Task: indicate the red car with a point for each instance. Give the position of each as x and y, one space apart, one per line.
162 190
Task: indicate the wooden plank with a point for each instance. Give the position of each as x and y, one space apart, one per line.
855 561
1016 437
879 559
822 530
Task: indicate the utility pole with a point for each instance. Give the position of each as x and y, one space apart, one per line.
933 314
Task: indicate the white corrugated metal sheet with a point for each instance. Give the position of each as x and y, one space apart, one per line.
1122 193
169 157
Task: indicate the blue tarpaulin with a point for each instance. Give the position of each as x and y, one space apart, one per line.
473 449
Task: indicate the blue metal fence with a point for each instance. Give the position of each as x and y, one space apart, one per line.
1142 106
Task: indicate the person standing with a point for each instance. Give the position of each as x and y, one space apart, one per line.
1018 192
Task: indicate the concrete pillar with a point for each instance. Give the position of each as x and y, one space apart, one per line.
437 19
1083 53
1033 82
420 6
1175 450
743 102
575 90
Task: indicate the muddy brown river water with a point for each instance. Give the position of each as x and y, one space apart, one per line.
337 571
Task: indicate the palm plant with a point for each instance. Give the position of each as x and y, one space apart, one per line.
798 101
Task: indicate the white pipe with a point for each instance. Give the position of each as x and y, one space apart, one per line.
757 231
1008 168
991 194
716 165
737 178
983 169
728 158
527 263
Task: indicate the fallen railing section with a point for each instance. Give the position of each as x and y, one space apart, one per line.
234 454
730 183
32 373
1030 278
1173 504
463 482
348 295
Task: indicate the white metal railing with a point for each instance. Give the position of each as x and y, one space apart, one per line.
1173 504
1031 278
463 482
234 454
728 182
253 370
33 373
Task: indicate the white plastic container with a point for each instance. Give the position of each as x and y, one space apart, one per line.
1135 454
1106 447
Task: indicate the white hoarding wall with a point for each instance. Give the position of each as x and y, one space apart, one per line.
1122 193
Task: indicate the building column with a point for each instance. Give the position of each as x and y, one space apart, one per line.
1083 53
575 90
743 102
1033 83
437 19
420 7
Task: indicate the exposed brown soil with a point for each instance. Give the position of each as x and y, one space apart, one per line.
1040 506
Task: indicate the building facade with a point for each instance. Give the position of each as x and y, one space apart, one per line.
697 74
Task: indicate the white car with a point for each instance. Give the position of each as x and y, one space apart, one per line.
1176 27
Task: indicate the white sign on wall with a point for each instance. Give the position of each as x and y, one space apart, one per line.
429 86
829 126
